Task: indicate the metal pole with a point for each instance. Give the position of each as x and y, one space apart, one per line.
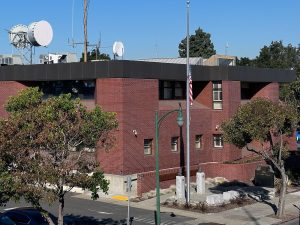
187 104
128 192
85 29
157 222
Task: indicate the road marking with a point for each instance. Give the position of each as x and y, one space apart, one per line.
120 198
106 213
152 222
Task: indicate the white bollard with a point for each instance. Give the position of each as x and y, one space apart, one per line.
180 190
200 183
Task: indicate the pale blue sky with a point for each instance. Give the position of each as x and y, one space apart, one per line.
155 27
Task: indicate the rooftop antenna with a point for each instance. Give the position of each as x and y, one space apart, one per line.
118 49
85 12
25 38
73 6
85 43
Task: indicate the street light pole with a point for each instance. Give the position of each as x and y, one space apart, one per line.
187 103
157 124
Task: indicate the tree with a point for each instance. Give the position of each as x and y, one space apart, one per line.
49 143
279 56
200 45
245 61
95 55
276 55
267 123
283 57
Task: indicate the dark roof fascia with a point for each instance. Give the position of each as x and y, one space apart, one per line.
140 70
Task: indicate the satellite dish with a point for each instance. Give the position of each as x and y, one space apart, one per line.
24 38
118 49
18 36
40 33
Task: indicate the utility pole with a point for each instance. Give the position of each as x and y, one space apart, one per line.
187 102
85 8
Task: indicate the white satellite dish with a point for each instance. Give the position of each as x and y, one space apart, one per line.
24 38
118 49
40 33
18 36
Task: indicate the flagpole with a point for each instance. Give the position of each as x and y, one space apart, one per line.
187 104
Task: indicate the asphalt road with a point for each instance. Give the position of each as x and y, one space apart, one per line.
87 212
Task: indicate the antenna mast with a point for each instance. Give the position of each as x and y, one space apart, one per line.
85 8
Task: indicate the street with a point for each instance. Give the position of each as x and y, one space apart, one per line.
79 211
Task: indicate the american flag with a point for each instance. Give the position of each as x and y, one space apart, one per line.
191 86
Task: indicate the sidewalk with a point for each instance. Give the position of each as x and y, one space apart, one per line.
255 214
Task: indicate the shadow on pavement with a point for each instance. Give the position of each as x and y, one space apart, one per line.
243 188
71 219
272 205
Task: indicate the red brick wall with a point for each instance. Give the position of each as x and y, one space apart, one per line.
241 172
108 95
205 96
135 102
7 89
270 91
140 103
231 101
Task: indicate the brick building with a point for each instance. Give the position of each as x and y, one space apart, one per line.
135 90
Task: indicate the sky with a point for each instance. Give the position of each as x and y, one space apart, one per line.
154 28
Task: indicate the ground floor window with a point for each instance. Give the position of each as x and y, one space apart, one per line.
218 140
174 144
148 146
198 141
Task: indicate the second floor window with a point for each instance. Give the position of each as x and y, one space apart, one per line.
217 95
169 90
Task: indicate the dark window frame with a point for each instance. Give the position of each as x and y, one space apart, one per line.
173 87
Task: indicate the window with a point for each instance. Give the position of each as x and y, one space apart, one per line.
218 141
169 90
198 141
179 90
217 95
83 89
174 144
148 146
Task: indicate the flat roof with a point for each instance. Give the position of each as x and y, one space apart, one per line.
140 70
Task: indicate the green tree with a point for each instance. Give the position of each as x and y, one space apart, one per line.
49 143
279 56
267 123
276 55
95 55
245 61
200 45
